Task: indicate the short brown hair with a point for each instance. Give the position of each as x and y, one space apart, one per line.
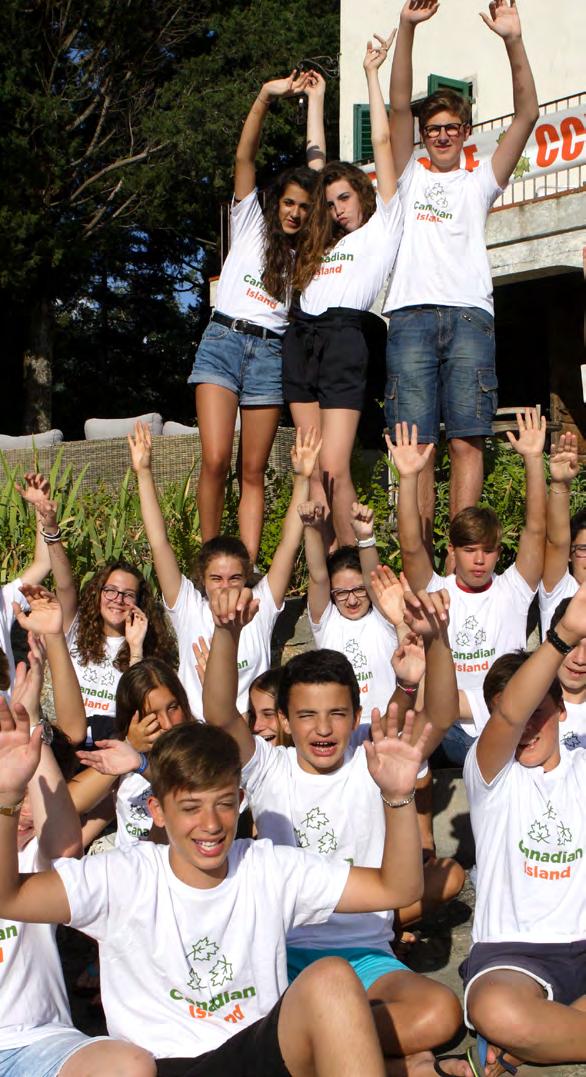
445 101
476 525
501 672
193 757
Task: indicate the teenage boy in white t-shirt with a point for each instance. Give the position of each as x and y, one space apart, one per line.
440 357
192 935
488 611
526 973
565 537
318 796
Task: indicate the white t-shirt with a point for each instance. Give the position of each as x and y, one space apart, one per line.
368 644
9 593
338 815
241 292
354 271
484 625
530 833
573 729
33 998
191 618
550 600
182 969
133 819
443 259
98 680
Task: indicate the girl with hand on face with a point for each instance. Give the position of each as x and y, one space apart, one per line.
238 362
343 259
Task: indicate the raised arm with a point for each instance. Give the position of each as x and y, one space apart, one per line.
38 898
504 21
401 91
45 618
303 457
231 610
164 558
530 444
362 520
410 460
65 586
427 616
394 763
35 489
318 591
247 149
521 700
386 180
564 467
315 142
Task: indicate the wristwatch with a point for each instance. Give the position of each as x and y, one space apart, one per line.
13 809
48 732
559 643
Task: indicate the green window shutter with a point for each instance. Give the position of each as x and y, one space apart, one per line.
362 139
442 82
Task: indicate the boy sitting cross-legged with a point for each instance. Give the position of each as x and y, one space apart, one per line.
192 935
526 973
319 795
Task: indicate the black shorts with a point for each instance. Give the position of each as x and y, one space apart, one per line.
325 358
560 968
252 1052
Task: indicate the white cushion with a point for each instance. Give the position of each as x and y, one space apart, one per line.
30 441
171 429
100 429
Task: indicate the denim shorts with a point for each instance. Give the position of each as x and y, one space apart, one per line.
44 1057
249 366
369 965
441 365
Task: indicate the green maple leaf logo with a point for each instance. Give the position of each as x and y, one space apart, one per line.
203 950
194 981
328 842
221 973
315 819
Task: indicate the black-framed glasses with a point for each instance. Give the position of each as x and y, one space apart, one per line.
128 597
579 549
342 594
434 130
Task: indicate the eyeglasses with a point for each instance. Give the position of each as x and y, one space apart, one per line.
342 594
128 597
434 130
579 549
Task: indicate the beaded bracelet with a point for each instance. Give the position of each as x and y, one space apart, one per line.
398 803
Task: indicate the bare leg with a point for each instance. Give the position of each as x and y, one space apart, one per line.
442 881
259 426
216 416
422 1065
426 500
510 1009
412 1013
466 473
339 427
113 1057
325 1024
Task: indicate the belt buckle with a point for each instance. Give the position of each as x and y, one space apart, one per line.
240 325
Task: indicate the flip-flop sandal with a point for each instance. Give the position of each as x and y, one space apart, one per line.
477 1055
437 1064
508 1066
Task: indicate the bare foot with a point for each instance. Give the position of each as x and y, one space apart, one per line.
493 1067
423 1065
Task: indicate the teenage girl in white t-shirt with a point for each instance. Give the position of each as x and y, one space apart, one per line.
342 262
238 362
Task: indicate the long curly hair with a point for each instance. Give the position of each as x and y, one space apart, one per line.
278 261
90 641
322 232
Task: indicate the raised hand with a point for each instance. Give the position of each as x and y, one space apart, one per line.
305 451
45 617
563 461
573 622
532 430
140 447
393 761
29 682
36 488
311 513
201 651
233 608
142 732
407 458
416 11
315 85
113 757
503 20
408 661
362 520
135 629
426 612
388 591
20 752
296 83
376 54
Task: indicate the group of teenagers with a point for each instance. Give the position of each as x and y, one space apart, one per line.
269 831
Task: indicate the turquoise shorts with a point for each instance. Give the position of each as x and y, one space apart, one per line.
369 965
